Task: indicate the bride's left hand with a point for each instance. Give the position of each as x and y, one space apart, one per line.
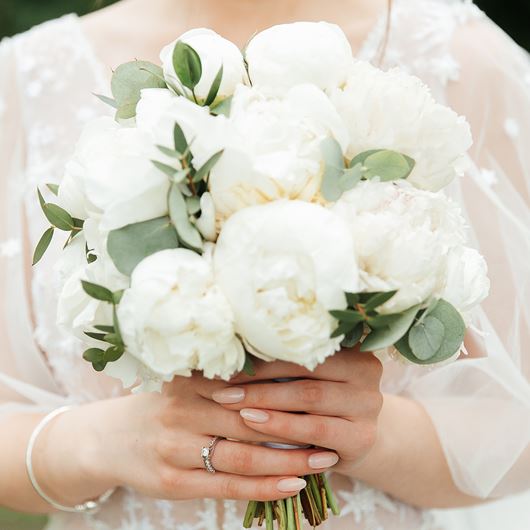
341 399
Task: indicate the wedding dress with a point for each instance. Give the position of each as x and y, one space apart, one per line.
480 405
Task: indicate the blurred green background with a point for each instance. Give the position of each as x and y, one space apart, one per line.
18 15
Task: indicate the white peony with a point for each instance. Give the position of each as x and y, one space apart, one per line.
174 319
287 55
402 238
393 110
283 266
111 178
159 109
466 283
272 148
213 51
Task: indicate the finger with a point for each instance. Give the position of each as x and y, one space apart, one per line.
254 460
349 439
348 365
201 484
307 395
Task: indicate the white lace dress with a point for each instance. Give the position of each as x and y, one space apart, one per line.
479 406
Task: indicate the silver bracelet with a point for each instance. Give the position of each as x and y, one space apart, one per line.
90 506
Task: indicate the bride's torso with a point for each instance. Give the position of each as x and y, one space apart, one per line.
57 72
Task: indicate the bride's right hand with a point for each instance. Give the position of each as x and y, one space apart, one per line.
152 443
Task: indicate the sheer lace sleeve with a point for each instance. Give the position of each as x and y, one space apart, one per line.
25 380
480 405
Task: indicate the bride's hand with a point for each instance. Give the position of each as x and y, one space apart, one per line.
342 399
152 443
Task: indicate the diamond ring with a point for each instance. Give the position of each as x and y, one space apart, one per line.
207 454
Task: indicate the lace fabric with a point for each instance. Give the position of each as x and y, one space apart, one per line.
480 406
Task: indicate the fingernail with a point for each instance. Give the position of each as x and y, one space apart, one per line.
291 484
255 415
322 460
229 395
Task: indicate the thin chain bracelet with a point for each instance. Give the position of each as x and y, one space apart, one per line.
90 506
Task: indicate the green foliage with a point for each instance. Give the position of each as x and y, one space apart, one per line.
187 65
214 89
127 82
188 235
129 245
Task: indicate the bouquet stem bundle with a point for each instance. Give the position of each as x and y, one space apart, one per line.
313 503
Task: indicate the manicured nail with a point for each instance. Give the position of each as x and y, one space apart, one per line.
229 395
323 460
255 415
291 484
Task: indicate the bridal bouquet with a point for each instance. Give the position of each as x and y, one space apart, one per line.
281 203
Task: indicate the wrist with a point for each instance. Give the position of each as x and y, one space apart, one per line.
68 461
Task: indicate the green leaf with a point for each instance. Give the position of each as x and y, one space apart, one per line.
107 100
352 298
222 108
105 329
353 337
454 331
379 321
90 258
43 245
129 245
333 169
113 353
127 82
187 65
99 366
350 177
116 324
378 299
426 337
391 333
193 205
188 235
361 157
205 169
58 217
41 199
387 165
168 151
342 329
96 336
351 317
113 339
93 355
248 367
214 89
168 170
117 295
97 291
179 139
54 188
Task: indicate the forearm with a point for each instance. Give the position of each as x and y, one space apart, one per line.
407 460
61 461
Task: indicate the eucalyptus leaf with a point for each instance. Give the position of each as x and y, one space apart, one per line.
99 366
42 245
391 333
387 165
378 299
352 298
117 296
353 337
214 89
58 217
96 336
426 337
351 317
127 82
361 157
168 151
342 329
333 169
54 188
113 338
222 108
350 177
107 100
454 331
165 168
113 353
105 329
205 169
379 321
188 235
187 65
179 139
93 355
97 291
129 245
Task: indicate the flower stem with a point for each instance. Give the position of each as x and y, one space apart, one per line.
330 496
249 514
289 505
269 517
